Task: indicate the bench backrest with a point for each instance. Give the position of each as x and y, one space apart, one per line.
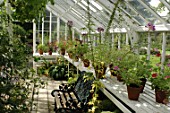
83 87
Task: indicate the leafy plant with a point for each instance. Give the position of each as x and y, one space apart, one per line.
160 78
15 75
42 47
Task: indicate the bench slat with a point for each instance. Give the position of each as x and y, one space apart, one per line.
146 102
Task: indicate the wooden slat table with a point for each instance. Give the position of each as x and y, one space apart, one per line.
117 92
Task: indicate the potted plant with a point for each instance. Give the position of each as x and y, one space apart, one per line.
82 49
41 48
118 61
160 80
50 48
63 45
130 76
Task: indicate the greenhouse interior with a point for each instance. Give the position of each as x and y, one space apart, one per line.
85 56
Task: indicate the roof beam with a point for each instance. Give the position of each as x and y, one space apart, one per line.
94 18
60 11
154 13
166 4
139 14
71 7
111 6
77 27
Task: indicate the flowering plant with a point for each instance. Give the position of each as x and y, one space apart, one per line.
63 45
100 29
50 46
161 78
135 69
150 27
70 23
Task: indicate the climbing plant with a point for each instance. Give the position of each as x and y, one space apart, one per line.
15 74
27 10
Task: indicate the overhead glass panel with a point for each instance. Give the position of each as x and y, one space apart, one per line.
155 4
133 13
96 5
144 12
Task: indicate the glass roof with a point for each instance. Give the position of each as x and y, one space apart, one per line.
134 13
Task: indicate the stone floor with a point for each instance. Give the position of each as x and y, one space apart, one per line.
43 101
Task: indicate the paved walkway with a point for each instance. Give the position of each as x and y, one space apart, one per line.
43 101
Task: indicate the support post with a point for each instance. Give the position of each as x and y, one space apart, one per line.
34 37
163 50
58 29
102 37
65 31
112 42
50 27
119 42
149 46
127 39
81 38
42 39
73 34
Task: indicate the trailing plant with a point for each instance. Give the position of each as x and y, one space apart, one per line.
111 18
15 75
26 10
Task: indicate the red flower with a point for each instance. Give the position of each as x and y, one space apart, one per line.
154 75
158 54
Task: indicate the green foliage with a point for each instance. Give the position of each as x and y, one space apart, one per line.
160 78
27 10
15 75
134 68
42 47
63 44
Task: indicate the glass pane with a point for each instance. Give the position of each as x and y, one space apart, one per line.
159 7
144 12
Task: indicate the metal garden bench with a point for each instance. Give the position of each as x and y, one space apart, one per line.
73 99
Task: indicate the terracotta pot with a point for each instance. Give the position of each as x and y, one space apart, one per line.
86 63
142 84
70 54
62 51
113 72
160 95
133 92
119 78
40 52
76 59
50 52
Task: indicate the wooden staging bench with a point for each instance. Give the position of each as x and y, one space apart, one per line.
117 92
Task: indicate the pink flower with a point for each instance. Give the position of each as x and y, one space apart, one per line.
150 69
150 26
116 68
154 75
70 23
167 77
168 65
158 64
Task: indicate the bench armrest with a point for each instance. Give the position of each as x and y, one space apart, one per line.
66 87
